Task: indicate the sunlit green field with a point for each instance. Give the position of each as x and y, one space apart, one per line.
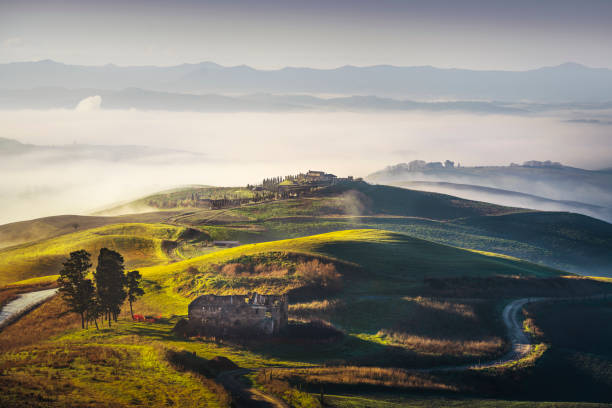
140 244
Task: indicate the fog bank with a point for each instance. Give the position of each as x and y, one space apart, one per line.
241 148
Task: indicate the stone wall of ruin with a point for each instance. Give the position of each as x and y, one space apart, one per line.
235 314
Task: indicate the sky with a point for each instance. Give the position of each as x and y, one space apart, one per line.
269 34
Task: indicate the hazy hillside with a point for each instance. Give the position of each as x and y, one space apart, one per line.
136 98
567 82
506 197
21 152
573 189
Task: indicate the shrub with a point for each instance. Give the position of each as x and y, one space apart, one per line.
319 274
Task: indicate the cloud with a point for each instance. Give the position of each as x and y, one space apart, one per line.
91 103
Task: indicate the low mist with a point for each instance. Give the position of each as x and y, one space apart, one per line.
240 148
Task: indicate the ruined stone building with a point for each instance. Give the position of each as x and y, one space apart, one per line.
239 314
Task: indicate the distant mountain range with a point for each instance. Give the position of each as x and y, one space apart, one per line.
539 185
568 82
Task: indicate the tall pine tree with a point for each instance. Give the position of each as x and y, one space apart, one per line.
134 290
110 283
76 290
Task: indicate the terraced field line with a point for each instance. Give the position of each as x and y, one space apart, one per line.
23 304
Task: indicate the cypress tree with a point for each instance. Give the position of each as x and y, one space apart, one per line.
110 282
134 290
74 288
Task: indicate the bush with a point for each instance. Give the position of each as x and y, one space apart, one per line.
320 274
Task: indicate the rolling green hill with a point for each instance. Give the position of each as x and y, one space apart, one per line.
378 305
576 243
178 198
573 242
16 233
140 244
372 263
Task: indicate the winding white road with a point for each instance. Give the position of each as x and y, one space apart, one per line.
521 342
24 303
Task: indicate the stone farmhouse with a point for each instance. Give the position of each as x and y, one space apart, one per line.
252 314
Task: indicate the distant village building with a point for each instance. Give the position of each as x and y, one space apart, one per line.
253 314
542 164
320 178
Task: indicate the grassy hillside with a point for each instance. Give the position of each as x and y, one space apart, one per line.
561 240
178 198
359 198
123 371
394 260
566 241
48 227
379 307
573 239
352 198
378 270
140 244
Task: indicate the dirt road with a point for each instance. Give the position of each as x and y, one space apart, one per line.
245 395
24 303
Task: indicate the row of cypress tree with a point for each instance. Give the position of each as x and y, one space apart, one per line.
103 296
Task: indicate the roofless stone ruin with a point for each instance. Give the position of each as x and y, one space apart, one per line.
253 314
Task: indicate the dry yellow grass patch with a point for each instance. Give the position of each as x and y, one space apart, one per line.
388 377
314 307
428 345
47 320
461 309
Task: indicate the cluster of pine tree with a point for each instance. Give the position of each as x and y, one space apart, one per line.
103 296
271 184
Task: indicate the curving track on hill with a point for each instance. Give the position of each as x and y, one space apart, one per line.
23 304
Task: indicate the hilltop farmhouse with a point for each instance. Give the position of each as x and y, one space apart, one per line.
314 179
